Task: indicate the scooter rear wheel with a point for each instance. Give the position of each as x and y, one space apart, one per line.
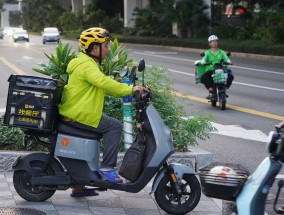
23 186
172 202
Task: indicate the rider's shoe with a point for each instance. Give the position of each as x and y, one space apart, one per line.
110 175
227 96
211 93
83 191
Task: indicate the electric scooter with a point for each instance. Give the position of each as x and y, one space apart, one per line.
73 160
249 192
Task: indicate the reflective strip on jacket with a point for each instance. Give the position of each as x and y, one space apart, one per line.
83 95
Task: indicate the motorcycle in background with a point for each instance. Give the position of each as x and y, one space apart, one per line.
220 76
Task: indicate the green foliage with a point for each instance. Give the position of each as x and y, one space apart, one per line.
113 107
116 59
154 20
113 25
38 14
57 65
12 139
266 25
70 21
75 34
157 19
226 31
111 7
188 14
15 18
186 131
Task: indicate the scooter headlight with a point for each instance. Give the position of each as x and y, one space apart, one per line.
271 144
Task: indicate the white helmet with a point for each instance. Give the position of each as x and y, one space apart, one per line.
212 37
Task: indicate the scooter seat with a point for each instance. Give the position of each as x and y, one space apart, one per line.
67 127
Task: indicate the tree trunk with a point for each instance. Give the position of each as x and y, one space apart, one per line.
183 31
191 31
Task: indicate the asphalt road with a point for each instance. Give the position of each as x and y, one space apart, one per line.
255 103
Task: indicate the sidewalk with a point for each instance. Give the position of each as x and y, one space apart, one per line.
109 202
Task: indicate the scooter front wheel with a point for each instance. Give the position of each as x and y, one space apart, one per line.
23 186
222 101
172 202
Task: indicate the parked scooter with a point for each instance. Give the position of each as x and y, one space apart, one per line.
248 191
74 160
220 76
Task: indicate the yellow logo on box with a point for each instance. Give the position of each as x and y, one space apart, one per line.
27 106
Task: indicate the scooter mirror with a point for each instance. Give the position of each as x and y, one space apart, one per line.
229 54
132 75
202 54
271 144
141 65
123 72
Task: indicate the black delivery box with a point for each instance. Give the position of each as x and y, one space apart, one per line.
31 103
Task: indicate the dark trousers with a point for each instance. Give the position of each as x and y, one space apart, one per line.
111 128
208 82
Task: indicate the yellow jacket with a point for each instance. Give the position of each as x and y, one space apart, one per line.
83 95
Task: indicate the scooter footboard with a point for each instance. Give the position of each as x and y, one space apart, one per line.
179 170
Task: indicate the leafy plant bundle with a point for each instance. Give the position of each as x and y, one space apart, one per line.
57 65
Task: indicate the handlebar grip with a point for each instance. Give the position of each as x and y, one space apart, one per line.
137 92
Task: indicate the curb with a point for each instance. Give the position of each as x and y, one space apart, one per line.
196 159
258 57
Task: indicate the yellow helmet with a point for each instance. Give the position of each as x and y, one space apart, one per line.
93 35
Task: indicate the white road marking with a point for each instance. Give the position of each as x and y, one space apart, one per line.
180 72
160 52
239 132
257 86
258 70
167 57
235 82
191 60
27 57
